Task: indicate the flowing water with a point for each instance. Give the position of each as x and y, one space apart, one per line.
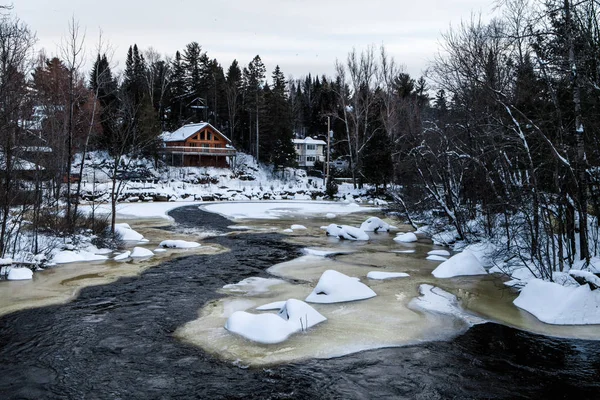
133 338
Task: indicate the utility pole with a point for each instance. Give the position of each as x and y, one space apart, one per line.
328 143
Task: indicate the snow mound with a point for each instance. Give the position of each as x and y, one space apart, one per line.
560 305
68 256
19 274
122 256
443 253
330 215
403 251
127 234
346 232
159 250
294 316
375 224
140 252
288 230
436 300
379 275
407 237
6 261
464 263
178 244
297 227
436 258
335 287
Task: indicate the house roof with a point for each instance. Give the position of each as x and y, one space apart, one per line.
188 130
308 140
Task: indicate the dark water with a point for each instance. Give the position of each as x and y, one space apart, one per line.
115 342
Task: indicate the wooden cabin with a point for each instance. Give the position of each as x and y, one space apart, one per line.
197 145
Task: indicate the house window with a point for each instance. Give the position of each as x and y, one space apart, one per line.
310 158
209 136
310 147
297 147
202 136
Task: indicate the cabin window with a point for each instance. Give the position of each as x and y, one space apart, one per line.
215 138
209 136
202 135
205 145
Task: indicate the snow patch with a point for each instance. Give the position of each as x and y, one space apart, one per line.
379 275
122 256
69 256
127 234
436 300
19 274
178 244
140 252
347 232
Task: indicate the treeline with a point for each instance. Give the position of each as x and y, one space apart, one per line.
511 140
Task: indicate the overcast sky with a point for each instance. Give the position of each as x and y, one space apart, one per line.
301 36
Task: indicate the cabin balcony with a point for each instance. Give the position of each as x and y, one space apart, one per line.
200 151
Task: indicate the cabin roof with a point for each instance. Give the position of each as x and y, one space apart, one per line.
308 140
188 130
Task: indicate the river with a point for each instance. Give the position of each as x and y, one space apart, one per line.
119 340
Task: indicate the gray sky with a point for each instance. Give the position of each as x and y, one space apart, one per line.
301 36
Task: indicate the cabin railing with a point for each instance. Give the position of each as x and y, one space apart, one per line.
202 151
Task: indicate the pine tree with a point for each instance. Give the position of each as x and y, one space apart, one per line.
277 134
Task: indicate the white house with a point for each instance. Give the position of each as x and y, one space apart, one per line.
308 151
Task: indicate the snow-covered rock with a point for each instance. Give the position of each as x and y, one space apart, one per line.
375 224
346 232
127 234
297 227
178 244
464 263
433 257
335 287
380 275
560 305
19 274
443 253
122 256
294 316
586 276
69 256
288 230
407 237
140 252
